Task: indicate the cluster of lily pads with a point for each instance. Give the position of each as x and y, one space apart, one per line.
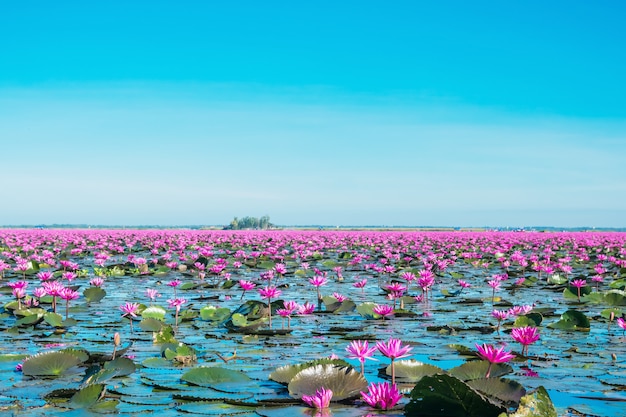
250 322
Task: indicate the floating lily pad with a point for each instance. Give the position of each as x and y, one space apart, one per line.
478 369
209 376
447 396
345 383
49 364
412 370
94 294
88 396
285 374
505 390
572 320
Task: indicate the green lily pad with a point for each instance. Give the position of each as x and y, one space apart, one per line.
412 370
285 374
53 319
345 383
445 395
150 325
478 369
88 396
572 320
94 294
505 390
154 312
209 376
49 364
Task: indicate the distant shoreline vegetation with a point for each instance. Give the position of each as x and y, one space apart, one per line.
263 223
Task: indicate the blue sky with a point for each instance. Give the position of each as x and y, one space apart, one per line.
358 113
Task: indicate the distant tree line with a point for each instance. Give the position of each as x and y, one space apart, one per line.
250 223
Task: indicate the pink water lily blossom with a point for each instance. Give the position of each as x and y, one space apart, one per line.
493 355
359 349
526 336
393 349
382 395
320 400
383 310
129 310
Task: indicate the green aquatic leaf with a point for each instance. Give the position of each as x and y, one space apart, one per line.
53 363
447 396
345 383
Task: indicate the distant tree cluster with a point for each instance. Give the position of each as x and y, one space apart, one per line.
250 223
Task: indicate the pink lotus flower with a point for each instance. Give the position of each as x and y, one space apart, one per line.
359 349
526 336
340 297
578 283
317 281
268 293
176 303
246 286
320 400
493 355
45 275
96 282
360 284
68 294
382 395
129 310
393 349
306 309
152 294
383 310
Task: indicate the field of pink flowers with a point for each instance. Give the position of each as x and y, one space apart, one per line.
271 323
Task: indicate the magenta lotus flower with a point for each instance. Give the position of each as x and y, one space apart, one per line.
500 315
68 294
317 281
360 284
408 276
383 310
152 294
45 275
493 355
526 336
280 269
520 310
320 400
129 310
622 324
306 309
52 289
578 283
393 349
359 349
268 293
69 276
174 284
339 297
382 396
19 293
96 282
246 286
176 303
